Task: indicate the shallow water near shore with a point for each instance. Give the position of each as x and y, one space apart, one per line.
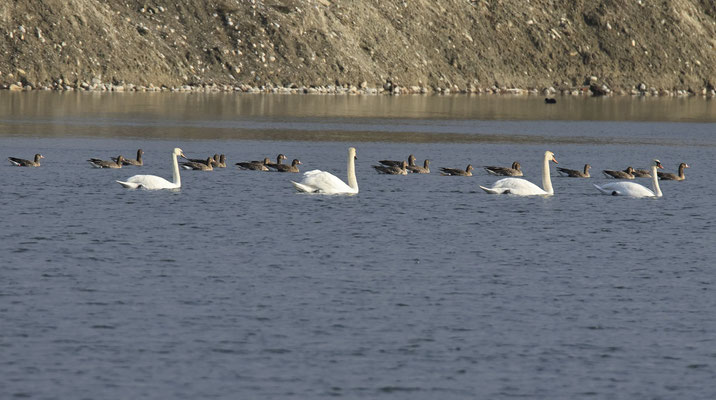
419 287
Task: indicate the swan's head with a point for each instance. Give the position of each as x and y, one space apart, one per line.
550 156
352 153
178 152
657 163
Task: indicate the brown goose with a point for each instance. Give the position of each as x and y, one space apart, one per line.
255 165
626 174
392 169
515 170
668 176
287 168
394 163
97 163
220 161
199 166
457 172
21 162
214 159
641 173
575 173
416 169
279 158
130 161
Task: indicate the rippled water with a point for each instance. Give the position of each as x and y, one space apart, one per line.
419 287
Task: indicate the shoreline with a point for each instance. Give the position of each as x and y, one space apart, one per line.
592 90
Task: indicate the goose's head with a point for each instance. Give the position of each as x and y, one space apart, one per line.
550 156
140 151
469 168
587 167
39 156
426 163
657 163
267 160
411 159
516 165
630 170
295 162
120 159
683 165
352 153
178 152
282 157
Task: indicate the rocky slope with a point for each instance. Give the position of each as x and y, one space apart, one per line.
429 45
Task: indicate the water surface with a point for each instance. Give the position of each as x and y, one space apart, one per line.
418 287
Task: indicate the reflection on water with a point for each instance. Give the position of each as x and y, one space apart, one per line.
456 118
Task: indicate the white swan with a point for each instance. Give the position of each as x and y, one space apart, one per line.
318 181
522 187
153 182
632 189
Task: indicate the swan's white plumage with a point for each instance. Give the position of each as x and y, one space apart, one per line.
516 186
153 182
632 189
317 181
522 187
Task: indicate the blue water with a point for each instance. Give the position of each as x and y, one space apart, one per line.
419 287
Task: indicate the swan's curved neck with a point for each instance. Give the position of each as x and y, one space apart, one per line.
352 181
176 176
546 181
655 181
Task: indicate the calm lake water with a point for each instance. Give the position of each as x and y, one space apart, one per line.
419 287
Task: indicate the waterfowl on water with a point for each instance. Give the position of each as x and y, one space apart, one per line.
668 176
97 163
206 165
631 189
641 173
392 169
416 169
21 162
153 182
457 172
523 187
515 170
575 173
255 165
626 174
322 182
129 161
395 163
220 161
287 168
279 160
